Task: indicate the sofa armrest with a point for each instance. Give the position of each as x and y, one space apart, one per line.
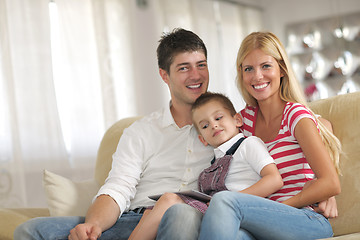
13 217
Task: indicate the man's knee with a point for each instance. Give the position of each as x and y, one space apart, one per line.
176 219
26 230
46 228
183 211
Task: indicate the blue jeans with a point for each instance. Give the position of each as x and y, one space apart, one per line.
58 228
176 219
233 215
180 222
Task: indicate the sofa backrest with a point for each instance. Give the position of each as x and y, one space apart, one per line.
343 111
108 146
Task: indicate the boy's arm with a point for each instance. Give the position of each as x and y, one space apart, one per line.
269 183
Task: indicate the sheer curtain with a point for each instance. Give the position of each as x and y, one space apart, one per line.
69 69
77 80
31 137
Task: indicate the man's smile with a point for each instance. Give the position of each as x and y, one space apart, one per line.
194 86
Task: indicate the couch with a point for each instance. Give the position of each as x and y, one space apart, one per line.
342 111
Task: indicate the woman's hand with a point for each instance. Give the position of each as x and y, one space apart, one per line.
327 208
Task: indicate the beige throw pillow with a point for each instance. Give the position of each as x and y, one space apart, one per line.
66 197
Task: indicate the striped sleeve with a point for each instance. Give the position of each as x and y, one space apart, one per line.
294 113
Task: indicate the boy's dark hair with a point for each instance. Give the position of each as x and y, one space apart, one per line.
177 41
210 96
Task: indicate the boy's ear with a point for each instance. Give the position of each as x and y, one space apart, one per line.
238 119
164 75
201 138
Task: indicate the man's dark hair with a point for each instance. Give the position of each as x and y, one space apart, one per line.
210 96
175 42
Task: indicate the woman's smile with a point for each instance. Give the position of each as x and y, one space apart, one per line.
261 86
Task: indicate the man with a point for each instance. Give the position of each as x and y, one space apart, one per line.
158 153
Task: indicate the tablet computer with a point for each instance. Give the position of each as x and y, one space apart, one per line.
190 193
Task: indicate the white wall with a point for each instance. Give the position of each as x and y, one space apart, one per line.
279 13
146 33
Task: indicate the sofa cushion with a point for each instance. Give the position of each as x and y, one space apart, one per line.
66 197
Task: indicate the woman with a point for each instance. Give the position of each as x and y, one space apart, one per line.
301 146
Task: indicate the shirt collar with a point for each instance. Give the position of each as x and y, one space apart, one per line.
221 150
168 119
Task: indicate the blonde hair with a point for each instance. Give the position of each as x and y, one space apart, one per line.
290 89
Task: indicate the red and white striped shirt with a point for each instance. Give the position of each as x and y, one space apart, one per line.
286 151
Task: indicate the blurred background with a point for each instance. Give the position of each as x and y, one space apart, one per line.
69 69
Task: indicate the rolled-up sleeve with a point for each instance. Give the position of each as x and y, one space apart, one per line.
126 169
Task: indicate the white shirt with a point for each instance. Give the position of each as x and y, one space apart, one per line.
248 160
155 156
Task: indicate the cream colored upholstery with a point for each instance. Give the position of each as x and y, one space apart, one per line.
342 111
107 148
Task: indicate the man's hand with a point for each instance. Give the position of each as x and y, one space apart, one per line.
102 215
327 208
85 231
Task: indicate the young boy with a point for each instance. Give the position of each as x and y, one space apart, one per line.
240 164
